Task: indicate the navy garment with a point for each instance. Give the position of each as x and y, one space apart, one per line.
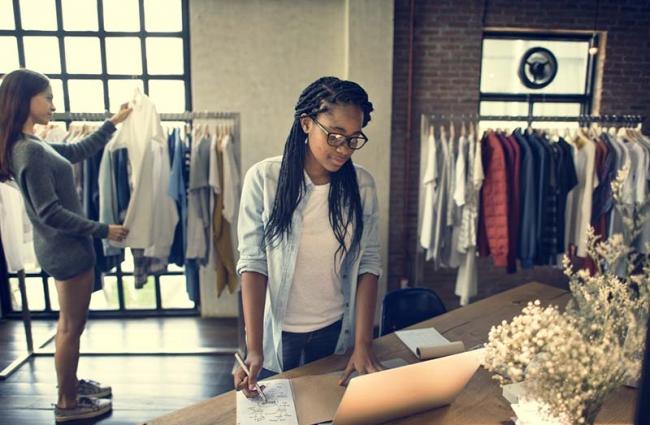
543 152
176 184
568 179
527 185
91 210
122 185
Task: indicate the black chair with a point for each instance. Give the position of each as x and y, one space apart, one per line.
405 307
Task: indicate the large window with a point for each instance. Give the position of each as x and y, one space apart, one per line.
96 52
569 93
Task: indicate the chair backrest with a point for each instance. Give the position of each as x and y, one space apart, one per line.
405 307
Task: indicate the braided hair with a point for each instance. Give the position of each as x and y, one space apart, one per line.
344 200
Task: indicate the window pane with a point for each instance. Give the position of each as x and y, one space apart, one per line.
501 59
9 50
504 108
7 15
82 55
57 92
86 95
165 55
106 299
121 15
123 55
169 96
144 298
120 91
38 14
558 109
79 15
42 54
54 296
173 292
163 15
35 294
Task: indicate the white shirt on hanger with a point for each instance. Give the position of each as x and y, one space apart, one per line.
151 216
429 183
15 229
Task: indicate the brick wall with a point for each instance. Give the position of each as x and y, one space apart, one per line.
447 58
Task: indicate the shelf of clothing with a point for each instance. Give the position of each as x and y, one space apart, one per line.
427 120
25 312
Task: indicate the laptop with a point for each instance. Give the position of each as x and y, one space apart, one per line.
407 390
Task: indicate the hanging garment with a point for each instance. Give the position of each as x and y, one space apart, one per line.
467 278
430 185
567 181
231 182
494 205
176 191
221 228
144 266
526 248
579 214
199 218
15 229
509 152
151 217
91 207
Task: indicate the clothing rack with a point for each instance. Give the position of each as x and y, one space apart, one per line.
427 120
586 119
26 316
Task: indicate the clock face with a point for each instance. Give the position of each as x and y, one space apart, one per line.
538 68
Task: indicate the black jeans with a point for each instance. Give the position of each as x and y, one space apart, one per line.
301 348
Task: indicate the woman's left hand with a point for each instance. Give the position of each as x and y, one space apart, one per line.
121 115
363 360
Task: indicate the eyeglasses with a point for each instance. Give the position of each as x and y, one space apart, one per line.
337 139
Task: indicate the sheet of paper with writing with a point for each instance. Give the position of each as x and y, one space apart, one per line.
278 410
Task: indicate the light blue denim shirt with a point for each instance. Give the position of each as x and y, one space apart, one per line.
278 262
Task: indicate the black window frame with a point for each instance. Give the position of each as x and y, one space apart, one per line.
585 100
18 32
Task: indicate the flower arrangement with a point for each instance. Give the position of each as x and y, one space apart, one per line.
571 360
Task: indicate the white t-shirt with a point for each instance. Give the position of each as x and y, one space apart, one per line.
315 300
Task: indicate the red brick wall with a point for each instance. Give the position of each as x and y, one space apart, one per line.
447 56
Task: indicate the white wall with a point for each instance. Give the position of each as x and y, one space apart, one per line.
256 56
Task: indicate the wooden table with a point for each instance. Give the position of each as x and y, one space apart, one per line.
480 403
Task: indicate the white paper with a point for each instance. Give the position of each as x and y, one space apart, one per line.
278 410
415 338
532 413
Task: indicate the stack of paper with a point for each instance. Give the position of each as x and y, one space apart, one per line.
429 343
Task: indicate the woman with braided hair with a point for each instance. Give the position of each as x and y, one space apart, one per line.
308 241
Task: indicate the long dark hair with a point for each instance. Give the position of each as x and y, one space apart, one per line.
16 92
344 190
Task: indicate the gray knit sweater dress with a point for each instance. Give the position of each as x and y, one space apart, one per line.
62 234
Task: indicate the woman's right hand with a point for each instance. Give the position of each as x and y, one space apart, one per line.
117 232
254 363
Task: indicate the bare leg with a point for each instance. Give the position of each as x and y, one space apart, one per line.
74 299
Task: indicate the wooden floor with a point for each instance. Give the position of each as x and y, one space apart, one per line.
144 387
